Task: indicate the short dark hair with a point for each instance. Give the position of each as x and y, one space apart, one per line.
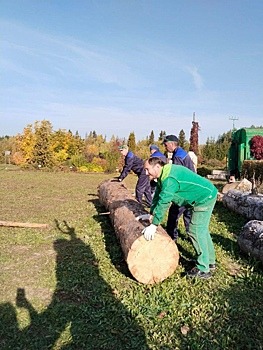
155 160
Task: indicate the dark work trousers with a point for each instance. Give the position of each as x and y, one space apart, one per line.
173 217
153 186
143 188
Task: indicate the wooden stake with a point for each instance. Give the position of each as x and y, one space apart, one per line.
22 224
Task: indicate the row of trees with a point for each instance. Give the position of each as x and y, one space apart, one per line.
40 146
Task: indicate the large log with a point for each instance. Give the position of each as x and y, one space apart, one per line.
246 204
250 239
148 261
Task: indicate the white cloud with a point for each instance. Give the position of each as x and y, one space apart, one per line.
196 76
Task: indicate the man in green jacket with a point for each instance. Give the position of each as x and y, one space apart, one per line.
179 185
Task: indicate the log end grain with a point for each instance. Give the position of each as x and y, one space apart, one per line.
153 261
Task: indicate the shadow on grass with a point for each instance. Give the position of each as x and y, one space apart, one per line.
83 314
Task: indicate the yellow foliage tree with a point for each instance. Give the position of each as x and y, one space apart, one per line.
24 144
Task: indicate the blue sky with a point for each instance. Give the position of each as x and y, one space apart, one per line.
118 66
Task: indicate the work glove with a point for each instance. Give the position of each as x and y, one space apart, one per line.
115 179
149 232
144 217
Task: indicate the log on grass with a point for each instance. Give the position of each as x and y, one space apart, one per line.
250 239
148 261
245 204
22 224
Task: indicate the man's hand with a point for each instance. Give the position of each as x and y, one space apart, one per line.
144 217
116 179
149 232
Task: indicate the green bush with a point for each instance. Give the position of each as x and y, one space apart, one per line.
77 161
112 161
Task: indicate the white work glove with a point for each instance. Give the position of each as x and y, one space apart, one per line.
144 217
149 232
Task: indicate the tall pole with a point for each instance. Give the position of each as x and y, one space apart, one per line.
233 118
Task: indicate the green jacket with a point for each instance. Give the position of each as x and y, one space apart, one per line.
181 186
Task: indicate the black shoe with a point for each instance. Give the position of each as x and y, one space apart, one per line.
212 267
195 272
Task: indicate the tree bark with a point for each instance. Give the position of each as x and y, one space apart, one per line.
22 224
248 205
250 239
148 261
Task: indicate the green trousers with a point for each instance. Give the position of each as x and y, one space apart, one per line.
200 235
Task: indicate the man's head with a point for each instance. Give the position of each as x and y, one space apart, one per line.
154 148
124 149
153 167
170 143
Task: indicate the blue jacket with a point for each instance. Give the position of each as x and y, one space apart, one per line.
132 162
181 157
159 155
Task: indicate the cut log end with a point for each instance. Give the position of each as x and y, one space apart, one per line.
153 261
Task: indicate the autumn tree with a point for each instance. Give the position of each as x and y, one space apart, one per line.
132 142
194 137
112 155
65 145
76 145
182 139
42 153
24 146
94 144
256 147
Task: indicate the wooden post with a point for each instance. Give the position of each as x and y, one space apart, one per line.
148 261
22 224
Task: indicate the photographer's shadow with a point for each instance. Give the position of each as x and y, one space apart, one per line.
83 307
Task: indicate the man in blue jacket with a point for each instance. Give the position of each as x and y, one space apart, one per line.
136 164
179 157
155 152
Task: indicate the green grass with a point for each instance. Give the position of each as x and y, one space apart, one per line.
67 287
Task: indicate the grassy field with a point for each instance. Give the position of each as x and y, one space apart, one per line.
67 287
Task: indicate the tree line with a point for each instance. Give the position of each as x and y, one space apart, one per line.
39 146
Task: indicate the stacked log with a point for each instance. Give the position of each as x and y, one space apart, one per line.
245 204
148 261
250 239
